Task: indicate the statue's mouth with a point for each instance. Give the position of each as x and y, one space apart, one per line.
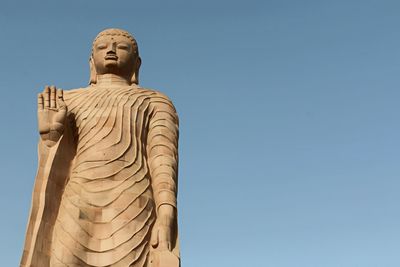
112 57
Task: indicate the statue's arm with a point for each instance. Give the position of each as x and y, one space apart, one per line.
49 179
162 153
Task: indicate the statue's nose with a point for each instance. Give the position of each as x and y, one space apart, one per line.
112 48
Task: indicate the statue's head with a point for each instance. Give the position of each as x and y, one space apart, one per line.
115 51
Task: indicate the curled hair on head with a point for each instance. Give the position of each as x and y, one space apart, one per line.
114 31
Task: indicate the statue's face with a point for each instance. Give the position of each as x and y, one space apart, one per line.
114 54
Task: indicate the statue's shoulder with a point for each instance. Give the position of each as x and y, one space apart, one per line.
72 93
156 96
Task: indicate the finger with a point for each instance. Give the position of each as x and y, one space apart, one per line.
168 239
46 97
40 102
162 245
154 237
60 100
60 94
163 242
52 96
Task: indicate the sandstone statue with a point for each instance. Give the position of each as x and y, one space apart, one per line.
106 186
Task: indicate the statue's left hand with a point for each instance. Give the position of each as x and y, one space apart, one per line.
161 235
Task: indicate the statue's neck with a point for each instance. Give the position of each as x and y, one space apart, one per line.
111 79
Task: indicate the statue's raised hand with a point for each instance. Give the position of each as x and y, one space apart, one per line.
52 112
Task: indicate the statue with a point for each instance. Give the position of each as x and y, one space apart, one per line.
106 185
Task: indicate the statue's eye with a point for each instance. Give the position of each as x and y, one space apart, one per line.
123 46
101 46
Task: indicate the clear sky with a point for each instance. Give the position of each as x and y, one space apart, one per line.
289 111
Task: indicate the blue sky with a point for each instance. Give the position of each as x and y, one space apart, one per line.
289 145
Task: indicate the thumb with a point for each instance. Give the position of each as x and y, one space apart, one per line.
154 236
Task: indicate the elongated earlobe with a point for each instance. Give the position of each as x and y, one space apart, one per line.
93 74
135 76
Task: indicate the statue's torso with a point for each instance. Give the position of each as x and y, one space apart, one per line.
107 208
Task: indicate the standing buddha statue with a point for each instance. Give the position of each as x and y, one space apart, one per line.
106 187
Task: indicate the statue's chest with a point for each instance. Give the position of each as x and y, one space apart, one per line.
110 115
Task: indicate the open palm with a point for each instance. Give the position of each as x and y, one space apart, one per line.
52 112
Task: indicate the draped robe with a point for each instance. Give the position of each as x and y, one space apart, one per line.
97 191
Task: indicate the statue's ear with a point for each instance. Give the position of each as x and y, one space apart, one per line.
93 74
135 76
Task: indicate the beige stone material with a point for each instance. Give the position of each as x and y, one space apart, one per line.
106 186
